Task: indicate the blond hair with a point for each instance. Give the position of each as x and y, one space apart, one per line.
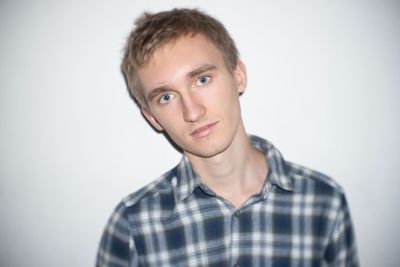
152 31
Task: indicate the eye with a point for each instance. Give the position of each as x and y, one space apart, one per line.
203 80
165 98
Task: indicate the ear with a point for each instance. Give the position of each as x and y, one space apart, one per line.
240 75
151 119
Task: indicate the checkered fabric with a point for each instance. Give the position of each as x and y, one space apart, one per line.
299 218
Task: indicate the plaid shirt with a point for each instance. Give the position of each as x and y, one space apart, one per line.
299 218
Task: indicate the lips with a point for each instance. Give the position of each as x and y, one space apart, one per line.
204 130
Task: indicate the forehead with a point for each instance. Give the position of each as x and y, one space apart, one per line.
186 45
179 57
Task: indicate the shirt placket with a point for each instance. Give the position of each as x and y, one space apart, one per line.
235 238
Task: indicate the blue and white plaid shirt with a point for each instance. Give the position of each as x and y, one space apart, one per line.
300 218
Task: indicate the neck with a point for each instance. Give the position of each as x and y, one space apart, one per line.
235 174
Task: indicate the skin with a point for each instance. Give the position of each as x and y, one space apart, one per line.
192 96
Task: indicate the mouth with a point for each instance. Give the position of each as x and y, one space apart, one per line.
204 130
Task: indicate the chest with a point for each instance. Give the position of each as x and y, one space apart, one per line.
208 232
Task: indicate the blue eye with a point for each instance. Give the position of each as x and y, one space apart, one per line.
203 80
165 98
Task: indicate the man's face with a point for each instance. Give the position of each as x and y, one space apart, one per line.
192 96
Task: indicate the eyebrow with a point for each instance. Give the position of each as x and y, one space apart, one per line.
157 91
196 72
200 70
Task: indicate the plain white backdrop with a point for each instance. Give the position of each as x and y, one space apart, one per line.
323 87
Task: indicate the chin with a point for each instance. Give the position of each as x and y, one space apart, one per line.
207 151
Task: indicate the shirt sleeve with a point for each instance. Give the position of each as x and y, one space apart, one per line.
342 248
116 245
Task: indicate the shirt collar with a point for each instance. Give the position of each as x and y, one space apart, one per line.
277 174
188 180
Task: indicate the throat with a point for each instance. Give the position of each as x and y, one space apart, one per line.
236 178
238 197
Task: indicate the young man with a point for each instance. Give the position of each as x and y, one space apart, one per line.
232 200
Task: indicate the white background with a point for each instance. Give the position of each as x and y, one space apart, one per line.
323 87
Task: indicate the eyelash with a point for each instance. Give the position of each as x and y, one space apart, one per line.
163 102
208 77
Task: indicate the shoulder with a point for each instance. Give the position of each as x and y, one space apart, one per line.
324 197
160 190
307 180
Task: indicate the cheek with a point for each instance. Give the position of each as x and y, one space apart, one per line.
169 117
224 95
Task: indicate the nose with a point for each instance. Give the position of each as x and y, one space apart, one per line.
193 109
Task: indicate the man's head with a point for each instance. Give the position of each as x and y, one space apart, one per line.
153 31
182 68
